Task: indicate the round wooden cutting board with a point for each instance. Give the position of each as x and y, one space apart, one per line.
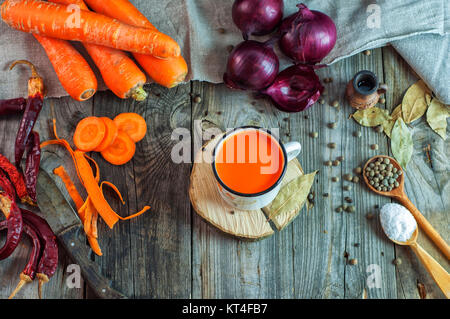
208 203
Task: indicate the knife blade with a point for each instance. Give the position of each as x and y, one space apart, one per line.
68 228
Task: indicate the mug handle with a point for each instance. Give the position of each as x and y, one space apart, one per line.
382 89
292 150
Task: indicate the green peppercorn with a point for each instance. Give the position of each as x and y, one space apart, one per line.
313 134
353 261
350 209
332 125
358 170
382 100
355 179
397 261
336 163
347 187
338 209
197 99
327 163
335 103
379 129
332 145
335 179
348 177
357 134
374 146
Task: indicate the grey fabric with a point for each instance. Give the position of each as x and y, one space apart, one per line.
410 25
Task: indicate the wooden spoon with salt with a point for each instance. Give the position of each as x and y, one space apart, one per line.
437 272
399 194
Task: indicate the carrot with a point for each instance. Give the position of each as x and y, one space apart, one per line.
72 70
71 189
168 72
121 151
101 205
133 124
58 21
94 245
89 133
110 136
119 72
114 188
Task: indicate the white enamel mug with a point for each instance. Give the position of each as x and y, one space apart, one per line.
253 201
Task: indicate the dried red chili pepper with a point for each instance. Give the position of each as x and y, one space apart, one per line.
29 272
32 164
12 106
16 178
34 105
13 222
49 258
6 185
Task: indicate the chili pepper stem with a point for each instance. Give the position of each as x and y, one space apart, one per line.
24 279
43 279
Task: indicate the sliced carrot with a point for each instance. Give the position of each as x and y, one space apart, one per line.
89 133
121 151
88 217
70 186
114 188
94 229
133 124
167 72
110 136
93 242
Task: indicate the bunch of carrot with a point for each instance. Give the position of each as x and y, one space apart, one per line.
114 137
116 27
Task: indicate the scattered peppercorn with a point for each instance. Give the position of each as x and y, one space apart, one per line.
367 52
350 209
348 177
379 129
335 103
197 99
369 215
314 134
328 163
356 244
336 163
374 146
347 188
230 48
348 200
306 117
332 145
358 170
321 101
332 125
221 30
355 179
335 179
326 195
353 261
341 158
397 261
357 134
382 100
338 209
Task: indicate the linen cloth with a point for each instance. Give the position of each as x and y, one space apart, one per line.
418 30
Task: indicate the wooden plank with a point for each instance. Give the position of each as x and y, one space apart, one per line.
67 113
322 236
150 256
426 183
225 267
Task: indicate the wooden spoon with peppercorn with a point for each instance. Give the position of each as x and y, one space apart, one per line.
398 193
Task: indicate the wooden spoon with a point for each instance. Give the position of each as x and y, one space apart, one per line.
437 272
398 193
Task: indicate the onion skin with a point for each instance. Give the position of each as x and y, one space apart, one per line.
257 17
307 36
295 89
251 65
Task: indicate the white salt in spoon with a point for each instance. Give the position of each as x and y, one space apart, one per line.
403 227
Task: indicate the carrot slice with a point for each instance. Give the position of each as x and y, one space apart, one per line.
121 151
110 136
133 124
70 186
89 133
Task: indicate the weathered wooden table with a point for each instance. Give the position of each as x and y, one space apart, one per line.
172 253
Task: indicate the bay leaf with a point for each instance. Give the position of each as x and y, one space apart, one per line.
401 143
292 196
389 124
370 117
437 117
414 103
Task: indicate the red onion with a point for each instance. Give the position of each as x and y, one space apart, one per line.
252 65
257 17
295 89
307 36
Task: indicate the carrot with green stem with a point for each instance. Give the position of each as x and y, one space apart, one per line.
119 72
58 21
72 70
168 72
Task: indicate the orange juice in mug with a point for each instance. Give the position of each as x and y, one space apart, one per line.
249 164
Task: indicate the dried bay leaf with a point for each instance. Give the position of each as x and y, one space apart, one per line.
292 196
414 103
401 143
389 124
437 117
371 117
